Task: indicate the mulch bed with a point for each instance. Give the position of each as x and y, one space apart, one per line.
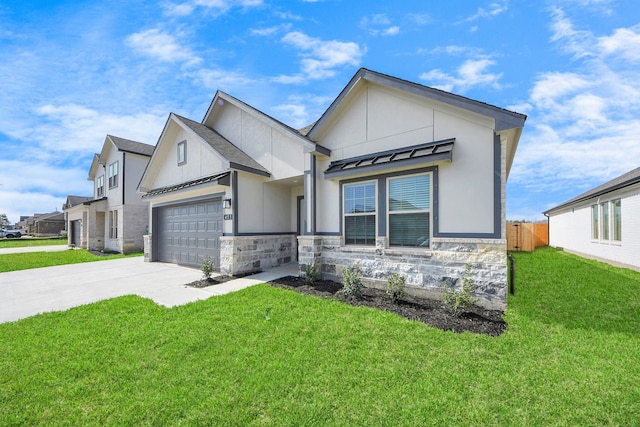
476 320
212 281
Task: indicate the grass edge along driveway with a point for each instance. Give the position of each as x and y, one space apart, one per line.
24 261
267 356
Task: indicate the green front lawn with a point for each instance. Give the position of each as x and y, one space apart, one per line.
24 242
569 357
24 261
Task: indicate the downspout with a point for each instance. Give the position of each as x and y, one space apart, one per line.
124 158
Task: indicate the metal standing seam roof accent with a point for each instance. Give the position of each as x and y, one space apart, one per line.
428 152
624 180
176 187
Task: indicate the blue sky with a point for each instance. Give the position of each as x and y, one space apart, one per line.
72 72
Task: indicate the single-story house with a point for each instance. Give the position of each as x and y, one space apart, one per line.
115 218
48 225
602 223
394 176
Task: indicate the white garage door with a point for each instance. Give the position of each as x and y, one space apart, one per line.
188 233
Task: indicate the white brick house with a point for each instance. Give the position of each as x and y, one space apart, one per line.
115 218
602 223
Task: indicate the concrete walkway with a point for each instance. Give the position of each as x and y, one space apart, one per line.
24 249
29 292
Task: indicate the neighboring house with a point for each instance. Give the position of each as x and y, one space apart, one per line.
48 225
602 223
115 218
395 177
74 233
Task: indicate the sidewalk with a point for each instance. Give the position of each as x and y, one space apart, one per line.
24 249
28 292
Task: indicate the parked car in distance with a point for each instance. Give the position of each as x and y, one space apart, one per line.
10 234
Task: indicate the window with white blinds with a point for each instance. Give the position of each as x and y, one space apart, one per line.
360 213
409 209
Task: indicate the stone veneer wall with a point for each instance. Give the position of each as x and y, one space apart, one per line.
244 254
424 270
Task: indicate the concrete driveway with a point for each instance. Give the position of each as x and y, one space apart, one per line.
29 292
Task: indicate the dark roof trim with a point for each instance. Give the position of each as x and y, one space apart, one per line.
237 158
505 119
134 147
299 133
625 180
89 202
405 156
220 179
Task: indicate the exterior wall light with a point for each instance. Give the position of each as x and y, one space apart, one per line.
226 203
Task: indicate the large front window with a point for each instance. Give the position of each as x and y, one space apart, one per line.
605 220
617 220
360 213
595 223
113 224
409 204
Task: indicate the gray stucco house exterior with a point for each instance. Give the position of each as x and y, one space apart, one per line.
394 176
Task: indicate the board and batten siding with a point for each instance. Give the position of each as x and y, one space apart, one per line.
381 118
570 229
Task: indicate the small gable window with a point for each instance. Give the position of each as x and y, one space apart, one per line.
100 186
113 175
182 153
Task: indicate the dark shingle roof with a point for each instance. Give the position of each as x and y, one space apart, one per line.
505 119
76 200
625 180
130 146
237 158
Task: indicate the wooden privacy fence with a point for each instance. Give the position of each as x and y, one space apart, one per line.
527 236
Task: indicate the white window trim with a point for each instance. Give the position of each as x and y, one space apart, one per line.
100 186
182 144
610 223
113 225
114 177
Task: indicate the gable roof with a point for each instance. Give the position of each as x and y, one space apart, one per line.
504 119
300 134
237 158
624 180
129 146
75 200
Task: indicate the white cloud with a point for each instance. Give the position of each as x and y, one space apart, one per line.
217 7
225 80
162 46
624 42
494 9
74 128
584 125
320 57
473 72
270 31
379 24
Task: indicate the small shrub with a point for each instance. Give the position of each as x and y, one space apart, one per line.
395 287
352 282
207 267
311 273
457 301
